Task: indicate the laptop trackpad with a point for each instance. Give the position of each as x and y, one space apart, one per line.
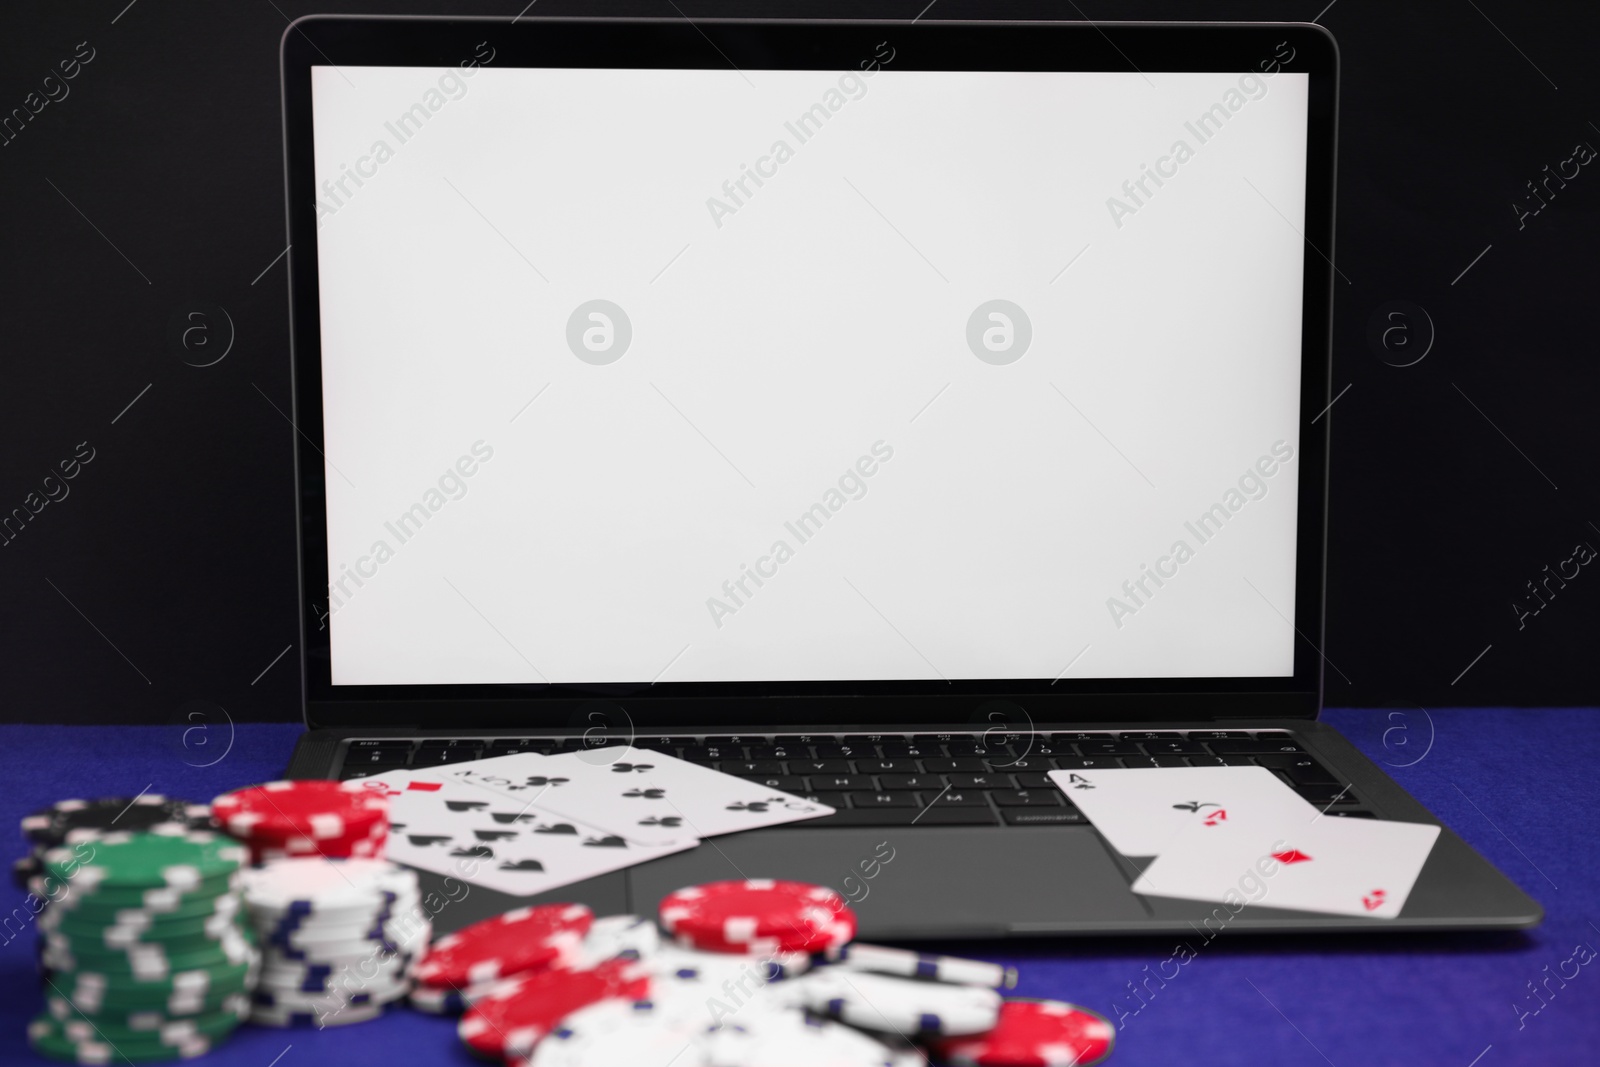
944 882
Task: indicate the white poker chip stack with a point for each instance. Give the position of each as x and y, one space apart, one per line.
339 938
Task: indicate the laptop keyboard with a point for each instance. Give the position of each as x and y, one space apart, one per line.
938 779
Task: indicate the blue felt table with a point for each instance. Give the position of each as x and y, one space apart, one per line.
1519 785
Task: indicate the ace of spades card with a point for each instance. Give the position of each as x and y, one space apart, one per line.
646 797
501 841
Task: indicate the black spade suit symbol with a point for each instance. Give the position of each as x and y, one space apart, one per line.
624 768
556 828
480 851
523 865
647 794
509 816
661 820
424 840
494 835
609 841
466 805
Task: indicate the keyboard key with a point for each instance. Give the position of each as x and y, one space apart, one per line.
966 764
890 799
749 767
789 783
1219 735
1150 735
402 743
1109 748
975 748
886 766
961 798
1279 743
845 751
512 746
826 796
934 782
1033 780
1074 738
1027 798
1085 763
778 751
839 781
871 739
1324 795
1309 772
803 739
1208 761
1039 748
434 757
1155 761
1174 748
1017 765
910 751
1351 814
820 766
909 817
377 757
980 781
1044 817
938 739
658 744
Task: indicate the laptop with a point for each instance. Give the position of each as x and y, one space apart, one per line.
887 412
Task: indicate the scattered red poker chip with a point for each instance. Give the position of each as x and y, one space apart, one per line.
758 915
528 939
278 813
1035 1033
508 1022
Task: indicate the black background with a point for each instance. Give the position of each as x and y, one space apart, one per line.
165 579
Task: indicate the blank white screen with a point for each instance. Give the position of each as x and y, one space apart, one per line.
775 344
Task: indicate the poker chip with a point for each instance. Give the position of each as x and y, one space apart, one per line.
45 1035
340 938
758 915
141 928
707 972
264 1016
905 1006
149 962
447 1001
510 1021
143 861
881 959
527 939
98 904
643 1033
181 993
25 869
790 1039
318 886
235 1006
317 809
211 1025
1035 1033
76 820
625 936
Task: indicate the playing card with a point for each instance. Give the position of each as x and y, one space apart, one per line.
499 840
1362 867
1140 810
648 797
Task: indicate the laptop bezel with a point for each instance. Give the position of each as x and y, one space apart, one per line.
806 45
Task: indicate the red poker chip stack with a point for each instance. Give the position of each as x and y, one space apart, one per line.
758 916
1035 1033
289 820
508 1022
523 941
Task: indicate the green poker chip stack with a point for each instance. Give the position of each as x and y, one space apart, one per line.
143 949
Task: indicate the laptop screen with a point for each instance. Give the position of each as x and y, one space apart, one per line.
787 375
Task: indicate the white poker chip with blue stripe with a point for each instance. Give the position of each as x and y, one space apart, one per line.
646 1033
882 959
790 1039
899 1005
626 936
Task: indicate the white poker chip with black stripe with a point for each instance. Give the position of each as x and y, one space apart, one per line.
624 936
900 1005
